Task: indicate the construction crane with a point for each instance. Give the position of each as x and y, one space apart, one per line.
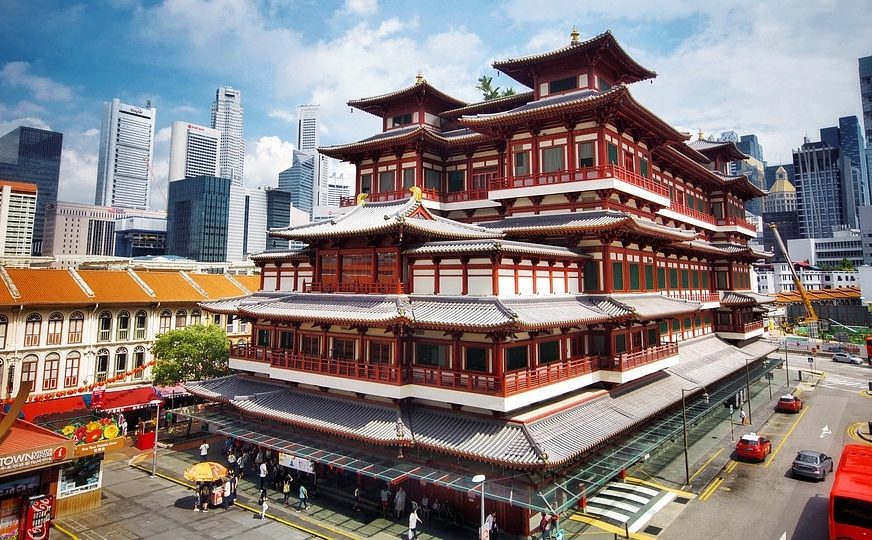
811 318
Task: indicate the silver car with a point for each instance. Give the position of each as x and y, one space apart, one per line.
847 358
812 464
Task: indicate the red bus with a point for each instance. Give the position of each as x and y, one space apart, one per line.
850 513
869 347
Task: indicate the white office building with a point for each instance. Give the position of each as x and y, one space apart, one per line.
125 157
194 151
308 128
227 118
17 215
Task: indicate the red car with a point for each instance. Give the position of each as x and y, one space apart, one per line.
753 446
788 403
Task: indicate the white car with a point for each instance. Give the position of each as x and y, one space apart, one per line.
847 358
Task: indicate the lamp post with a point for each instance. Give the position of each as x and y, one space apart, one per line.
748 389
156 403
684 425
786 365
479 479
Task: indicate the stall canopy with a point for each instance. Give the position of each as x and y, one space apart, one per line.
113 401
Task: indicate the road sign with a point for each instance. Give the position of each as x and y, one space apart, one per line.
810 360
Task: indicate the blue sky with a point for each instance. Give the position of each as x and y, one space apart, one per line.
778 69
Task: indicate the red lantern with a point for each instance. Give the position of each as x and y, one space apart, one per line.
90 387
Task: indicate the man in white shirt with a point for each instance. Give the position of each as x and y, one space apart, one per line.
413 523
263 472
204 451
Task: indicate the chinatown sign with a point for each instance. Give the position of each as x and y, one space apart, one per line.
89 449
31 458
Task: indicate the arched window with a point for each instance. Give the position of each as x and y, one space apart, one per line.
28 368
140 323
181 318
120 361
138 361
102 364
71 370
32 328
77 323
55 329
4 327
104 326
122 328
196 317
51 371
166 321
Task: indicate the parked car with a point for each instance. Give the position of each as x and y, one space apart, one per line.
753 446
812 464
847 358
788 403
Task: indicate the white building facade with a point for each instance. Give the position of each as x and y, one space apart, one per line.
194 151
776 278
125 156
17 216
227 117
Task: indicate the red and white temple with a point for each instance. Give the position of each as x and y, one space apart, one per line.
518 283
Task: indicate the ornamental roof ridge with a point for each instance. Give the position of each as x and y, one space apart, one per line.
10 284
139 281
81 283
303 252
521 97
492 245
371 104
583 95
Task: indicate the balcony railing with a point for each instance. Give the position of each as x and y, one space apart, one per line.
579 175
693 296
462 196
356 288
552 372
426 194
631 360
745 328
736 221
351 369
690 212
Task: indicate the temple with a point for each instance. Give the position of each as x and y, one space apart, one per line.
520 284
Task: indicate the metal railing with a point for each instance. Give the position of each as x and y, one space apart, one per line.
630 360
356 288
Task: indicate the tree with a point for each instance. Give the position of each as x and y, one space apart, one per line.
189 354
488 91
846 265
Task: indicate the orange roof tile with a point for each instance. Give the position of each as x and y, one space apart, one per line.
21 187
111 286
250 282
45 286
217 285
24 436
170 286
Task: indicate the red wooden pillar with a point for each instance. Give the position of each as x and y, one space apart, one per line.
464 279
535 285
607 267
278 276
296 266
262 268
456 358
495 274
534 153
398 272
571 161
436 261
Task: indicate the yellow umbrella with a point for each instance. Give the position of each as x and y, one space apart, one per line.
206 471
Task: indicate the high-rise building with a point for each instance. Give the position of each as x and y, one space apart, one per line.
308 128
782 195
227 118
848 138
755 170
194 151
779 208
772 172
297 180
866 100
197 218
33 156
17 213
748 144
141 235
825 190
125 157
80 229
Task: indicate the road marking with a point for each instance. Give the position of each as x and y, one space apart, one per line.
825 431
679 492
786 436
854 433
704 465
730 466
711 489
608 527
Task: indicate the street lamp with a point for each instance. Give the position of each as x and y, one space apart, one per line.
705 397
156 403
748 389
479 479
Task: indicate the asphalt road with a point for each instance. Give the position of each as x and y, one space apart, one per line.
762 500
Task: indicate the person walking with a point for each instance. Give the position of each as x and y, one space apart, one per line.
490 525
264 505
400 502
234 483
385 496
227 494
742 416
264 471
304 494
231 461
356 506
413 522
286 490
241 462
204 451
545 526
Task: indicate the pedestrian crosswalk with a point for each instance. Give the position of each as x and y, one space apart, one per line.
841 382
628 505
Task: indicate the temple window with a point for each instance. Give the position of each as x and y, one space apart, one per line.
673 278
263 337
286 340
598 344
379 353
586 154
408 178
720 280
456 181
522 163
685 284
661 278
311 345
329 268
517 358
432 179
365 183
387 267
552 159
604 85
481 178
431 354
357 268
620 343
617 276
634 276
591 276
612 150
576 345
643 167
342 349
562 85
476 358
386 181
652 336
549 351
695 278
401 120
649 277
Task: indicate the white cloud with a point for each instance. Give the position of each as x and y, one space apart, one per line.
265 158
163 135
16 75
8 125
360 7
283 115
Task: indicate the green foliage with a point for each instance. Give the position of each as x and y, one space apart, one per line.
189 354
489 91
846 265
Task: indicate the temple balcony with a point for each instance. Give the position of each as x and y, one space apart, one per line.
427 194
356 288
628 366
603 177
736 224
680 212
740 331
708 299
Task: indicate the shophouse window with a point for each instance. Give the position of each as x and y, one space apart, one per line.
591 276
379 353
138 361
408 178
386 181
476 358
102 364
329 268
28 368
104 326
140 321
120 361
365 183
517 358
55 330
456 181
433 179
552 159
71 369
196 316
431 354
32 328
166 321
286 340
51 371
311 345
122 330
586 154
617 275
612 151
342 349
549 351
562 85
522 163
263 337
181 318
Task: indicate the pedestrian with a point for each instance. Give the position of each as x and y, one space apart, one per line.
205 492
264 470
231 460
263 504
413 523
204 451
197 495
304 494
240 463
228 492
122 424
228 444
356 506
742 416
425 507
400 502
286 490
385 496
490 525
545 526
234 483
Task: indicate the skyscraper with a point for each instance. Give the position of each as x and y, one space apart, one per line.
866 102
227 118
34 156
748 144
124 160
308 128
297 180
17 213
825 190
848 138
194 151
197 218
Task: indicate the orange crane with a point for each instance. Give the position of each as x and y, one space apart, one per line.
811 318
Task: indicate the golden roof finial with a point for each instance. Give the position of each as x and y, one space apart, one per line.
419 78
361 197
700 134
573 36
416 193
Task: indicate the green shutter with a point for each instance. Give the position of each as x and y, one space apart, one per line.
591 276
613 154
649 277
634 276
685 282
695 275
661 278
673 278
618 276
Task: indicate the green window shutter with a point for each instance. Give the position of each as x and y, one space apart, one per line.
685 282
634 276
695 275
649 277
613 153
591 276
618 276
661 278
673 278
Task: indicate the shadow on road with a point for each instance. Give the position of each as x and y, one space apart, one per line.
810 525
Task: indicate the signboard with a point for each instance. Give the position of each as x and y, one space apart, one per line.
294 462
810 360
89 449
98 397
37 517
29 459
